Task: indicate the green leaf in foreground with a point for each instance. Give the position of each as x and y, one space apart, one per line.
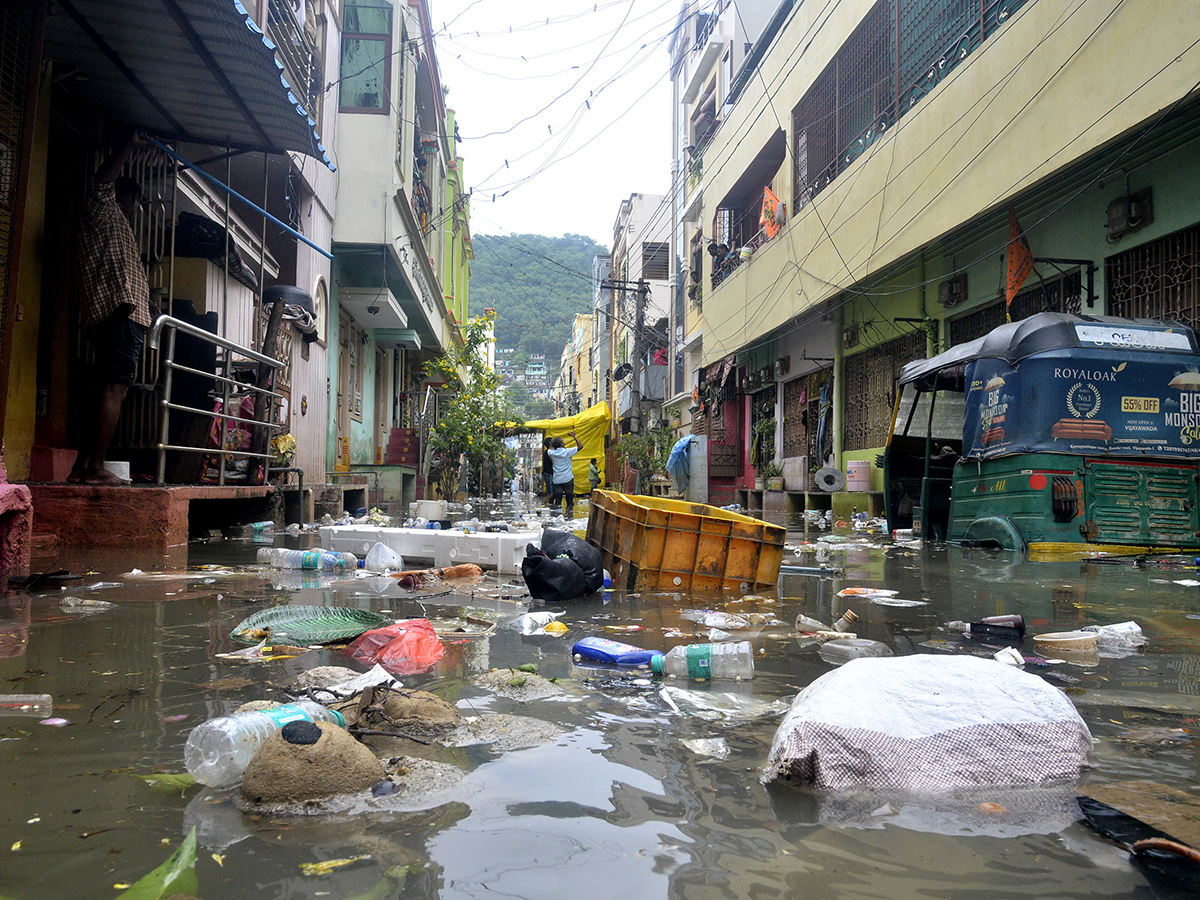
176 876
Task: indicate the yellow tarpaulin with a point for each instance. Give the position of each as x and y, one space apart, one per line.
591 426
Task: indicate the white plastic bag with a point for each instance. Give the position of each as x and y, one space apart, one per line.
382 558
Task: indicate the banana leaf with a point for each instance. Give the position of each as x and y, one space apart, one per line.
308 624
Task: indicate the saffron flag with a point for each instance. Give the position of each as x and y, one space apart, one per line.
770 217
1020 260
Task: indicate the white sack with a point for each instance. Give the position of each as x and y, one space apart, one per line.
929 723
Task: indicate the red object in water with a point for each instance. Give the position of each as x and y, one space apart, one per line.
405 648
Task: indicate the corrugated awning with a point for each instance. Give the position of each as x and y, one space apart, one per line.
193 70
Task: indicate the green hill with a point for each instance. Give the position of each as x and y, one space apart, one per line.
537 285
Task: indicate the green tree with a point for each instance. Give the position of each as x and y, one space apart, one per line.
536 284
467 422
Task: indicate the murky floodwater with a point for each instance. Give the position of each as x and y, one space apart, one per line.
633 799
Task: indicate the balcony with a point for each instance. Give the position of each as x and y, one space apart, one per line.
296 50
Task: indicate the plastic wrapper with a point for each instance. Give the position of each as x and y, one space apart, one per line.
404 648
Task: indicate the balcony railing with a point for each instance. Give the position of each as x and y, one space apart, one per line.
297 51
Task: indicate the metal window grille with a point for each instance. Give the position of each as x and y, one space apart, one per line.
899 53
1159 280
871 378
801 406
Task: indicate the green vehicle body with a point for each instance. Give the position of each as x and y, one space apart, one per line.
1033 502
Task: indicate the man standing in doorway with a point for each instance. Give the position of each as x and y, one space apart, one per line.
114 307
562 478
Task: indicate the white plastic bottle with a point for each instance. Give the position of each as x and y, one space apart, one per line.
283 558
217 752
707 661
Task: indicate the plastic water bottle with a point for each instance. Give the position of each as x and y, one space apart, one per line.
707 661
261 527
217 752
283 558
614 653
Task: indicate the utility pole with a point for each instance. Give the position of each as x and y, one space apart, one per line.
639 325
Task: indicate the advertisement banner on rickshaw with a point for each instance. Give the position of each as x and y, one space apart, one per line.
1085 403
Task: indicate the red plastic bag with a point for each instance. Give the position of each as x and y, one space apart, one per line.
406 648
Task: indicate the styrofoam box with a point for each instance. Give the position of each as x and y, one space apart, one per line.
502 551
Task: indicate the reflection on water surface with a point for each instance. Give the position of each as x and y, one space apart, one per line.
635 798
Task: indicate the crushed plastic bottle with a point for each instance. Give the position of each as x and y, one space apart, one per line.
26 704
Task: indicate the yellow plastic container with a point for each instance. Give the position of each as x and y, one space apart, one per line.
656 544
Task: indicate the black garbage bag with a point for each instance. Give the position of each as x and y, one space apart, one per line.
565 568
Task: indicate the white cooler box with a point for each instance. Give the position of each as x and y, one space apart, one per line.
502 550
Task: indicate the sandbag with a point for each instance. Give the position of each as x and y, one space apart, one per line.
565 567
404 648
928 724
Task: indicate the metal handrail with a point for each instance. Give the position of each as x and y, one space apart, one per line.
220 375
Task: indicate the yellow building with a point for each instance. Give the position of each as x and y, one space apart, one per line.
899 136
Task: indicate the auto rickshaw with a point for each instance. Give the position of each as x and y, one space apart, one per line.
1057 435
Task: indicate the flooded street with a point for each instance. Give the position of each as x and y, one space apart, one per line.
635 796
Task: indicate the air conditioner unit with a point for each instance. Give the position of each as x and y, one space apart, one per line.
953 290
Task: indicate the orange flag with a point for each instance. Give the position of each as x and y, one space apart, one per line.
1020 260
769 220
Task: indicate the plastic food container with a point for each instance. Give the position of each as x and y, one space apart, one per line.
1055 641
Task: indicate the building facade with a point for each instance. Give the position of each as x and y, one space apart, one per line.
900 139
402 244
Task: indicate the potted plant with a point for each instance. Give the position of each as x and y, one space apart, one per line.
772 475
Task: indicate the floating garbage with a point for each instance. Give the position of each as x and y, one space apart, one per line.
840 652
710 747
714 619
536 623
403 648
865 592
928 724
720 707
383 559
84 605
26 704
308 624
1119 639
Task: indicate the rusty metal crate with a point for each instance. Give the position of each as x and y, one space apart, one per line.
657 544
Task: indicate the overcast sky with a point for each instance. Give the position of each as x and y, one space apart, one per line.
573 95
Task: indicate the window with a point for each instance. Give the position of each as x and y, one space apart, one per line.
656 261
366 56
900 52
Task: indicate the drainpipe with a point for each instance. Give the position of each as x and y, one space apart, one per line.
839 390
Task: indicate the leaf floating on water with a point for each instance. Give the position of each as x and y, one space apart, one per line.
329 865
219 859
169 782
175 876
531 668
15 847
